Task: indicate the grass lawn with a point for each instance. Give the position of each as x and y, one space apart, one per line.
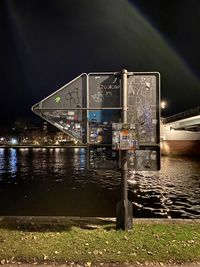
85 243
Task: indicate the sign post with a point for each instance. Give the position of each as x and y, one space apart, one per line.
124 207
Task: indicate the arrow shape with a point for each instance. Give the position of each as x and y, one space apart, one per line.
60 110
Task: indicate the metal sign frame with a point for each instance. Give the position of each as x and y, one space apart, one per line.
124 207
156 107
86 108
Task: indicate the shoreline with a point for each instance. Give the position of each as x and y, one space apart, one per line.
60 220
42 146
85 146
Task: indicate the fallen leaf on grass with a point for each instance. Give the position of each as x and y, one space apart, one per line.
45 257
96 252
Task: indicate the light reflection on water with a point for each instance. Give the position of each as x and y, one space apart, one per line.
172 192
55 181
2 160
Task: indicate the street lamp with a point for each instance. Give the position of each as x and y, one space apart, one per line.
163 104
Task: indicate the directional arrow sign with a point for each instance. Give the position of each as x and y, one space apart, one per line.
65 108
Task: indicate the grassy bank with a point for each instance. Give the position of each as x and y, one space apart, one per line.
89 243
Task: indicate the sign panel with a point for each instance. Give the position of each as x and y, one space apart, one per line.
144 159
144 105
104 90
103 157
124 136
141 137
56 108
100 125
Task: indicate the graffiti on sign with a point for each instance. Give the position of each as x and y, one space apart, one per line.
73 96
142 106
104 90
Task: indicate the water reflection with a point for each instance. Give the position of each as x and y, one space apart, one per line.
2 160
8 161
55 181
13 161
172 192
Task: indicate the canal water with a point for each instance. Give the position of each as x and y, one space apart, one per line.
56 181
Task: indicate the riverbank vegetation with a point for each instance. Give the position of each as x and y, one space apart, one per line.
100 243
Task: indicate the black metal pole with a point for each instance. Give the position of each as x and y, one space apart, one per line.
124 207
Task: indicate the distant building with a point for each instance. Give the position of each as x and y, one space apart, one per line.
44 136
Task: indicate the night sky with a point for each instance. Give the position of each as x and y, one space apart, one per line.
46 44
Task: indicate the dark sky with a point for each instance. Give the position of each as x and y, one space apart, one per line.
45 44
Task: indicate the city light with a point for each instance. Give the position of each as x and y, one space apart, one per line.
13 141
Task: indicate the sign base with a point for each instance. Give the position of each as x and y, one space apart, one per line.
124 215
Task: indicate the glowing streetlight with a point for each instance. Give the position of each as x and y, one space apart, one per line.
163 104
14 141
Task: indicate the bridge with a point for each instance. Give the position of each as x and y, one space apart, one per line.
188 120
180 133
